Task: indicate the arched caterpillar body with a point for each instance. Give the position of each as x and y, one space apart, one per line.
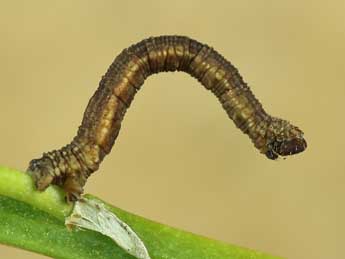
71 165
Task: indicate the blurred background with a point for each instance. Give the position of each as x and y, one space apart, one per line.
178 159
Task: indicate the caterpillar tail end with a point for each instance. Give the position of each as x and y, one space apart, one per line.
43 174
40 171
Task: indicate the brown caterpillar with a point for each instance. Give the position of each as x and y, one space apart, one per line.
71 165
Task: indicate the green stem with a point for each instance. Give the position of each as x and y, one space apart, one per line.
20 186
35 221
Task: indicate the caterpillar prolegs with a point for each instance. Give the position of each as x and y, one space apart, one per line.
71 165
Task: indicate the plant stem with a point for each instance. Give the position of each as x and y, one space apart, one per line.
20 186
35 221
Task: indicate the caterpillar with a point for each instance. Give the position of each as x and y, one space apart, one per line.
70 166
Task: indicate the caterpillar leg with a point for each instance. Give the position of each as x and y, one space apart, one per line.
73 187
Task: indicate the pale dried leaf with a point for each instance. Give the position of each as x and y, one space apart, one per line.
92 214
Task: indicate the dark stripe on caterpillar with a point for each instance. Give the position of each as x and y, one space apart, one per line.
70 166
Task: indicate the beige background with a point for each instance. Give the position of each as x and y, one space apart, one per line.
178 159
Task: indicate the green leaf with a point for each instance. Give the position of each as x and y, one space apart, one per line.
35 221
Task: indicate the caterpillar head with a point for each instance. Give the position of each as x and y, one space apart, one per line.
283 139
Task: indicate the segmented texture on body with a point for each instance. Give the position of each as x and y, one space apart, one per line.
70 166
